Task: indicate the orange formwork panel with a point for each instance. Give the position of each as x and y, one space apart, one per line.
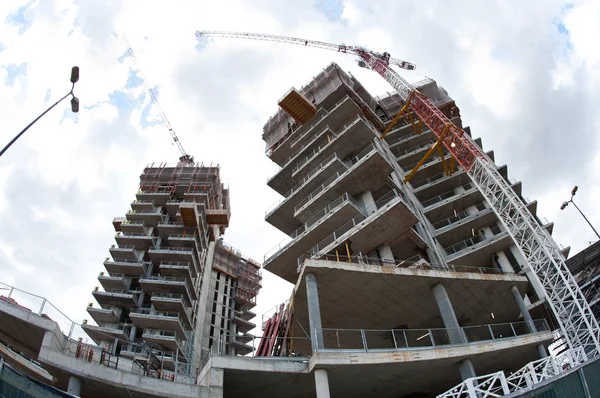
297 106
189 218
218 216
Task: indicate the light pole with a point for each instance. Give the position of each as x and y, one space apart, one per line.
74 107
565 204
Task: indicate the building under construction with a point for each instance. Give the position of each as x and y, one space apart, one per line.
172 288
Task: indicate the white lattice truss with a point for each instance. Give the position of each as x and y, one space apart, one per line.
497 384
572 311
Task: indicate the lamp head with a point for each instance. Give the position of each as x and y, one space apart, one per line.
74 74
574 191
565 204
75 104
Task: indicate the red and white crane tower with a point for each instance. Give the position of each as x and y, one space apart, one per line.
579 327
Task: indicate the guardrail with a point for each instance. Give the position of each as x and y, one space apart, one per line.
464 244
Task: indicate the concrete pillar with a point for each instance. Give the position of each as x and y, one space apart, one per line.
465 367
322 383
527 318
472 210
385 252
537 286
503 262
314 312
132 333
487 232
368 202
74 386
447 312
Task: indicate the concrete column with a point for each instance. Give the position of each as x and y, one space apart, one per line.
74 386
465 367
322 383
368 202
503 262
385 252
314 312
537 286
472 210
132 333
447 313
487 232
527 318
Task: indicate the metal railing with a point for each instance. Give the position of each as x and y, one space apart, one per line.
459 216
471 241
414 149
364 216
445 195
382 340
308 225
123 247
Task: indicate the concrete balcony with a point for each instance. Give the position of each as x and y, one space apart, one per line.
117 298
104 315
388 219
173 254
166 228
178 269
246 300
335 117
108 332
136 227
349 138
183 240
281 260
165 339
413 154
478 250
114 281
243 325
245 315
142 205
168 284
149 217
369 172
159 196
126 267
151 318
140 240
463 224
281 211
127 252
171 302
241 348
117 221
457 198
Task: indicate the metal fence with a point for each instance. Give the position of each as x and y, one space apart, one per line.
14 384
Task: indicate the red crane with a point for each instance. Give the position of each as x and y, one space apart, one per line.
577 322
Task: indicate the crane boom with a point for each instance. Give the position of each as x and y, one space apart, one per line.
576 320
185 158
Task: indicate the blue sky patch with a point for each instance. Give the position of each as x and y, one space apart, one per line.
133 80
331 8
47 96
21 18
14 71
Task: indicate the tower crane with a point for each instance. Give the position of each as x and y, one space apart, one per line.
578 326
185 158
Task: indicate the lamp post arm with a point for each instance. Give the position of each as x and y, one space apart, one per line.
33 122
583 215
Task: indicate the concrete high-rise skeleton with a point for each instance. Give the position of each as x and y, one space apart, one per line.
171 286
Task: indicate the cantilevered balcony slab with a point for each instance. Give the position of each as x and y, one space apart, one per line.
359 295
168 302
151 217
128 252
166 228
389 221
163 339
167 321
114 281
107 332
335 118
281 214
243 325
347 140
481 253
136 227
174 254
245 315
369 173
126 267
283 262
103 315
166 284
140 240
142 205
241 348
178 270
435 208
447 234
158 197
118 298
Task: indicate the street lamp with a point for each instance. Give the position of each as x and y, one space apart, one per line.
74 107
565 204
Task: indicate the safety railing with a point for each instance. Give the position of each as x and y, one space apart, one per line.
153 312
132 235
122 247
498 384
414 149
382 340
144 212
219 347
429 180
459 216
429 161
445 195
313 221
370 211
462 245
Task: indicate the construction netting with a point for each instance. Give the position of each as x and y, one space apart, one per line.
233 263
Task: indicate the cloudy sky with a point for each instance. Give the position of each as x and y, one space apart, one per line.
526 75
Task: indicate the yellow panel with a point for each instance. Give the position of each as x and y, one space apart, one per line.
188 216
297 106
